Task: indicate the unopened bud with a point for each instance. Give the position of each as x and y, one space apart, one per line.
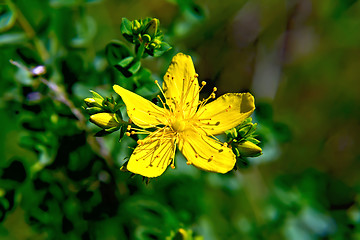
151 27
104 120
146 38
91 102
249 149
135 26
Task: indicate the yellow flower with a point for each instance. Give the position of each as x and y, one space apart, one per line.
185 122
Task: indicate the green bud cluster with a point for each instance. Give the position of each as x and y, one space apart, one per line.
243 141
145 33
105 113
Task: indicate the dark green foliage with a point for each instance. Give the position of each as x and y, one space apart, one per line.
60 180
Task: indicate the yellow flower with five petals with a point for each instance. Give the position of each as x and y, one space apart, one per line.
185 122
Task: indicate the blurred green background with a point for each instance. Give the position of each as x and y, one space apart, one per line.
299 58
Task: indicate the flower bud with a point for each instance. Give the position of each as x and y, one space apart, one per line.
152 27
135 26
146 38
91 102
104 120
94 110
249 149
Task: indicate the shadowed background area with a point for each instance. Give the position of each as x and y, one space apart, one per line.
300 59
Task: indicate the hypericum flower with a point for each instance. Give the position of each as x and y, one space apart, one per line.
184 121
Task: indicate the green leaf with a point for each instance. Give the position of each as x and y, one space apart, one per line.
96 96
85 29
12 38
164 47
116 51
135 67
8 17
122 131
126 61
126 29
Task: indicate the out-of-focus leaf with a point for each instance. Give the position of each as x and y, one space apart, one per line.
65 3
85 32
12 38
7 17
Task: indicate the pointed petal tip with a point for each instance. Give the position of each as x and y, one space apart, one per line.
117 88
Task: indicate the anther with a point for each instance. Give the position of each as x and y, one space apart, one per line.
188 163
140 142
225 144
132 132
127 134
172 166
196 75
128 127
203 83
156 81
215 89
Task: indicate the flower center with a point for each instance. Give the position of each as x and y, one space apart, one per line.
178 125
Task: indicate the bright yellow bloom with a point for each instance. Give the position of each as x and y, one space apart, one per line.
185 122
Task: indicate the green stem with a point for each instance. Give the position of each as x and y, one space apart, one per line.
140 51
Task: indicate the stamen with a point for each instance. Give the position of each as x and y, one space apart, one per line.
162 92
158 96
127 134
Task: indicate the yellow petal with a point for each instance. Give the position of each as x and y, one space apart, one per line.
181 86
205 152
153 154
226 112
141 111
